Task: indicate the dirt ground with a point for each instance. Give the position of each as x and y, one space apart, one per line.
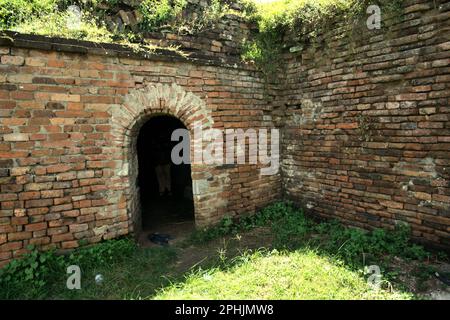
229 246
424 285
409 274
167 215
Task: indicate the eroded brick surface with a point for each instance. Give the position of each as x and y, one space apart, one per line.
368 125
68 128
365 132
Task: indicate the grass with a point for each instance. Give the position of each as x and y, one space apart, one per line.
13 12
128 271
303 274
53 18
140 275
157 13
309 18
292 257
293 230
57 24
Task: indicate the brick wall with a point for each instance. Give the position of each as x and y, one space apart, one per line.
69 118
367 127
364 118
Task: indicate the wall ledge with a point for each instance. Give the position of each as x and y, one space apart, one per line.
38 42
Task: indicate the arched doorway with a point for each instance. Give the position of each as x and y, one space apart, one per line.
165 188
210 184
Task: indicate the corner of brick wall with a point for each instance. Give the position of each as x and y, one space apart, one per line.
367 136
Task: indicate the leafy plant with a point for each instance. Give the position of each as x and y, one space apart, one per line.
157 13
13 12
31 275
304 20
208 17
358 246
57 23
33 272
229 226
264 50
292 230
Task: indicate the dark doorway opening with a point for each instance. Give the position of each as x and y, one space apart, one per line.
165 188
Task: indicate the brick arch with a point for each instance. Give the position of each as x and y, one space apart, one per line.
127 119
154 99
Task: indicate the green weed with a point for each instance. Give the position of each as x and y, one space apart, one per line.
292 229
31 276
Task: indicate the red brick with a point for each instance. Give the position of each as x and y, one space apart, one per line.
62 237
10 246
36 226
19 236
38 203
19 220
69 244
29 195
58 168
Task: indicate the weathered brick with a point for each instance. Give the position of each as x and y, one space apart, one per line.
365 136
36 226
29 195
65 97
10 246
69 244
19 236
62 237
40 241
51 194
14 60
58 168
16 137
78 227
38 203
19 220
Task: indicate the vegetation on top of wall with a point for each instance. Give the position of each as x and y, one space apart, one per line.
156 13
13 12
168 14
304 19
52 18
55 18
310 17
57 24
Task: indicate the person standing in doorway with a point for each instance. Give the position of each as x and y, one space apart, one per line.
163 166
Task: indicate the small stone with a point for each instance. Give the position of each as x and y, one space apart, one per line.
124 16
99 279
